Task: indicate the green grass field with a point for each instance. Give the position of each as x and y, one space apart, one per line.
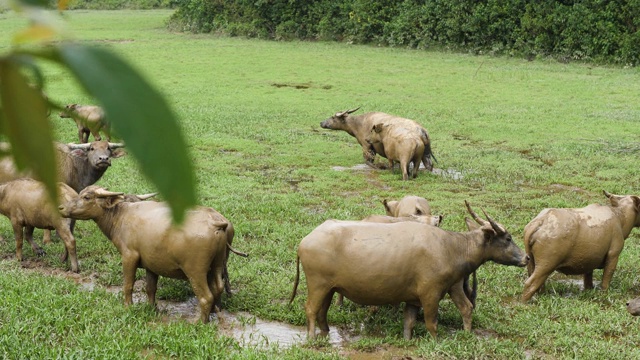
511 136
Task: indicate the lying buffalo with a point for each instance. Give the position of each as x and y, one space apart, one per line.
401 144
433 220
408 205
578 241
410 262
145 236
359 126
26 203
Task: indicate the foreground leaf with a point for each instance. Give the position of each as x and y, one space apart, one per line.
141 116
25 123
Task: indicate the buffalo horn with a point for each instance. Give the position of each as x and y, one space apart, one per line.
474 215
352 110
106 193
73 146
115 145
607 194
146 196
494 225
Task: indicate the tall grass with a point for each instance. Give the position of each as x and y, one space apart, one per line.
513 136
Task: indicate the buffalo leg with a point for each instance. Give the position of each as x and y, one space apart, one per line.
315 297
430 305
609 267
462 302
404 167
69 247
29 235
216 285
322 314
588 280
46 236
129 266
410 315
534 282
18 233
152 287
339 300
203 294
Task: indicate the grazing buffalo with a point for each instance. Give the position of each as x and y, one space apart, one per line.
401 144
78 165
27 204
359 126
88 119
407 206
410 262
144 234
578 241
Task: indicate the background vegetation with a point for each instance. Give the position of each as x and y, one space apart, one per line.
592 30
512 136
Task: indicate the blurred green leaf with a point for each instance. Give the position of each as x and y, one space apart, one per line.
26 125
141 117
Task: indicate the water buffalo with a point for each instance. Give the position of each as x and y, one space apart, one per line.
144 234
410 262
78 165
359 126
88 119
578 241
433 220
401 144
407 206
26 203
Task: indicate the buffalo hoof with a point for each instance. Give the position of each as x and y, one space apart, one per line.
40 253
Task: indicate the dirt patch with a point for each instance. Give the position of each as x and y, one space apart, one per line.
445 173
301 86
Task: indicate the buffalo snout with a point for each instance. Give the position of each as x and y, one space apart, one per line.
324 124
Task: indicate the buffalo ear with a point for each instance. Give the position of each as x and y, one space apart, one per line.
471 225
118 153
78 153
377 128
112 201
390 207
488 231
636 203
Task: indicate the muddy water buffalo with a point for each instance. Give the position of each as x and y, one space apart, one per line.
433 220
401 144
633 306
578 241
407 206
359 127
78 165
414 263
26 203
144 235
88 119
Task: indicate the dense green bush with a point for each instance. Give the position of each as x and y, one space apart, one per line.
604 31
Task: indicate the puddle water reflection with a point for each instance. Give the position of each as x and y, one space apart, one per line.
447 173
247 329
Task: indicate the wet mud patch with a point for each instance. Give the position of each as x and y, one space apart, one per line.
301 86
445 173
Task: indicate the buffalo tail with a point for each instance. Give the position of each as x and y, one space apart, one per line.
297 280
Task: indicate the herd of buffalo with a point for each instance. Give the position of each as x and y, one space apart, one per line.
402 257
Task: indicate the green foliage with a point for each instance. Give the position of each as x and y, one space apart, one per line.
137 111
589 30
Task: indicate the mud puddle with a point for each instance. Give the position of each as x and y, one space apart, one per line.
446 173
246 328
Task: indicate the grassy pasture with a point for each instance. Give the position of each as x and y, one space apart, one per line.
511 136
